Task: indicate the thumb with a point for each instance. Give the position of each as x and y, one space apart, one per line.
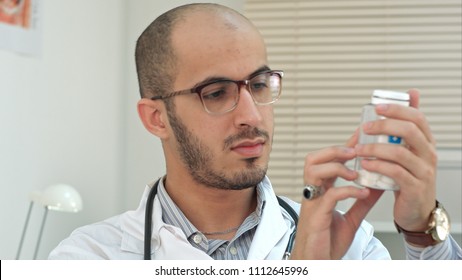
353 139
414 95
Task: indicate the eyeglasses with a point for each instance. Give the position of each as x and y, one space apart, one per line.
222 96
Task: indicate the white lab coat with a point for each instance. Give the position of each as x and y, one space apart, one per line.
121 237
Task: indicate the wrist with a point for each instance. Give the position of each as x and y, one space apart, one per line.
437 229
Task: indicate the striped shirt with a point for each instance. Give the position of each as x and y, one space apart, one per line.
235 249
447 250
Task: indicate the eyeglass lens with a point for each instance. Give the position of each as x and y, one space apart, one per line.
222 96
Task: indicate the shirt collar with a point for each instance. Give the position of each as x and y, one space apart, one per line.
172 214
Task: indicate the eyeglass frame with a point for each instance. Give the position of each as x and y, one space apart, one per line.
246 82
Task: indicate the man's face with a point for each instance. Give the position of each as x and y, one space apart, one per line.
228 151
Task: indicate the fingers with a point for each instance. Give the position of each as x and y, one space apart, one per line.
389 155
412 126
407 114
353 139
361 207
328 164
409 132
323 232
414 95
418 159
328 201
316 214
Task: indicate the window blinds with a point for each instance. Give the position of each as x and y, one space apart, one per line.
335 53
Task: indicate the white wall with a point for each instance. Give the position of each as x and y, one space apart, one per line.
60 117
70 116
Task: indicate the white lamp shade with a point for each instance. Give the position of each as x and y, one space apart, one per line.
59 197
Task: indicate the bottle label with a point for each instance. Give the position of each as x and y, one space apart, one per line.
394 140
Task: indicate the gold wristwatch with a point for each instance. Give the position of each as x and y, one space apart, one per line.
437 232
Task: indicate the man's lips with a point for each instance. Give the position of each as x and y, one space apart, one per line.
249 148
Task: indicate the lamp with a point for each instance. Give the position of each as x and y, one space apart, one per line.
59 197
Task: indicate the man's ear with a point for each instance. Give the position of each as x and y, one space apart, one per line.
153 116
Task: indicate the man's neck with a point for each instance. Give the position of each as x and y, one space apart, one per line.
211 209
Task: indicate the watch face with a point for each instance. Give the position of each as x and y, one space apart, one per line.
442 224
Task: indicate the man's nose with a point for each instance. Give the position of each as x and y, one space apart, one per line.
246 111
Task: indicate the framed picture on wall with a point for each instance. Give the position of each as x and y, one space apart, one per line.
20 26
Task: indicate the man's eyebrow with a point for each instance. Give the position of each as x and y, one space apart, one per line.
264 68
221 78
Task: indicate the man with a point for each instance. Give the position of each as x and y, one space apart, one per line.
207 91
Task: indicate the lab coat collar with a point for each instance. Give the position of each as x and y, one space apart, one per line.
273 231
167 242
132 226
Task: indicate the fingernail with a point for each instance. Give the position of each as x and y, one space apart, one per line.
368 125
349 150
382 107
364 191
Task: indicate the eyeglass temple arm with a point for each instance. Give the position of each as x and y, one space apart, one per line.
181 92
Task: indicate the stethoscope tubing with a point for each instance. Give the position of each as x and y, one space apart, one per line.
148 223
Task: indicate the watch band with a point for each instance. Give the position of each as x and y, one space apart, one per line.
417 238
422 238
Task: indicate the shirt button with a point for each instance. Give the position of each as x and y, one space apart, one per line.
197 239
233 250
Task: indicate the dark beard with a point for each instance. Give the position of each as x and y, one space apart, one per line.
199 159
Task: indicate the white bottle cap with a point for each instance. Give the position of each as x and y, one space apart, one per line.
387 96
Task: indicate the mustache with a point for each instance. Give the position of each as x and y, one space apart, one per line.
245 134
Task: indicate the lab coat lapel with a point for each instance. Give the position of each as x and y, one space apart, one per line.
169 242
273 231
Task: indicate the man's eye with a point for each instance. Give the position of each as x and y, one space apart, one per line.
214 95
258 86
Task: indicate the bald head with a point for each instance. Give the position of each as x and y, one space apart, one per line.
163 43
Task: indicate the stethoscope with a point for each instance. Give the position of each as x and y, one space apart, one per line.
148 223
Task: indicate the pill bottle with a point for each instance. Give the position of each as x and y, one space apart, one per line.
372 179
